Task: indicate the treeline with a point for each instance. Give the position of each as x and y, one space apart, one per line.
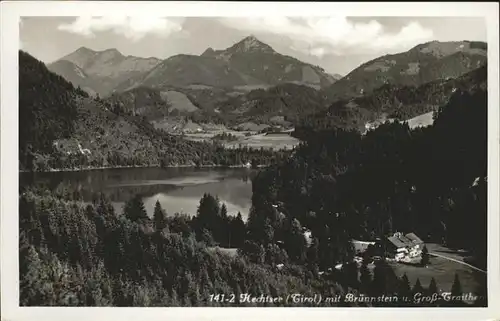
225 137
73 254
342 185
260 105
338 184
206 156
431 181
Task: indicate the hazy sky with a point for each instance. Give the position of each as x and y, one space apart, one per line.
338 44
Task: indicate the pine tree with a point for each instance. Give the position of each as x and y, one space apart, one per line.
159 217
350 274
404 286
253 251
295 242
456 288
379 283
134 209
31 284
221 228
223 211
432 290
432 287
268 233
425 256
365 278
456 292
417 288
207 237
237 231
208 216
313 252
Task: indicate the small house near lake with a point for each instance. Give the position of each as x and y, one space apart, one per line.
401 247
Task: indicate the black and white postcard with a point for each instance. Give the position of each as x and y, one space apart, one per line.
338 158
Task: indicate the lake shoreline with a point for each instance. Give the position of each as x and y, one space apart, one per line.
139 166
177 190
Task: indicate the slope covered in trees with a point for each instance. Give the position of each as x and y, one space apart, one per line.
47 107
343 185
338 184
63 128
393 102
77 255
290 101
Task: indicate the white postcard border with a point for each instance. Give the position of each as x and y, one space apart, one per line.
12 10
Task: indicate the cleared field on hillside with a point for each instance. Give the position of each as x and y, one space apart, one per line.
422 120
227 251
202 136
274 141
178 101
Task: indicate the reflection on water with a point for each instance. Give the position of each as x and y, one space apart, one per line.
178 189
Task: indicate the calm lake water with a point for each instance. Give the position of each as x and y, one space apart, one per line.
178 189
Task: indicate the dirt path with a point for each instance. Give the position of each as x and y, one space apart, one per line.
458 261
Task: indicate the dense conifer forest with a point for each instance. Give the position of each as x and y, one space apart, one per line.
338 184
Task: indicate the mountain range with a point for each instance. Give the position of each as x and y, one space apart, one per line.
247 63
391 102
251 82
421 64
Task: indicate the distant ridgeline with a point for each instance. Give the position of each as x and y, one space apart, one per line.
251 82
146 101
393 102
249 62
63 128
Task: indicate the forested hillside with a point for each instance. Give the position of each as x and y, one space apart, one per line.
393 102
339 184
304 106
63 128
47 107
343 185
72 255
290 101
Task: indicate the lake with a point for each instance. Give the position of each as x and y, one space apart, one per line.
179 190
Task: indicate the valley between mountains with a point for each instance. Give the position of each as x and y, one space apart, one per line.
358 185
244 103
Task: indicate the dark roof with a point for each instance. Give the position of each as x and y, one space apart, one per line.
405 240
396 241
400 240
414 238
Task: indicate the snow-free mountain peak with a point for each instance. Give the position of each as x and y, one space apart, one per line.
100 71
250 44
